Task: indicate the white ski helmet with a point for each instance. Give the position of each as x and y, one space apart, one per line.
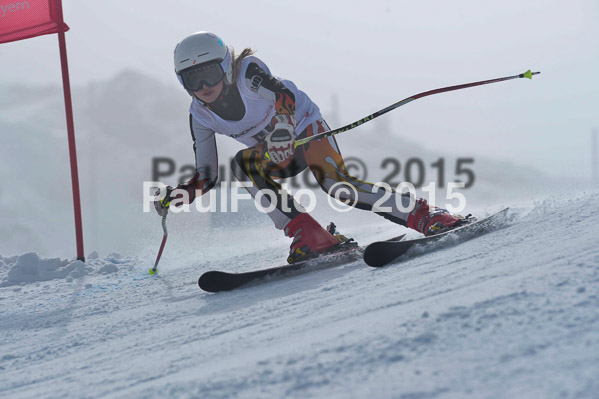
202 48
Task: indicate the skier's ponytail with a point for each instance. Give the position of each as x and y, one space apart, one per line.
237 60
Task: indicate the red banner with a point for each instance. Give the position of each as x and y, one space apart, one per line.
24 19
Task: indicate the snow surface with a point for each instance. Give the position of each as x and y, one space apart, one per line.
511 314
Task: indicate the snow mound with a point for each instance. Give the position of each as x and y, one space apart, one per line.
30 268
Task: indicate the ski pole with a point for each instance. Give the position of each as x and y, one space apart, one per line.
528 74
154 270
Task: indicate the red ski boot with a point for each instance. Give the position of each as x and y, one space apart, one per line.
309 238
432 220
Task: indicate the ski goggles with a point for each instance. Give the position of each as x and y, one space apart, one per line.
196 77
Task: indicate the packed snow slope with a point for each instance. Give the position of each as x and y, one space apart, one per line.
511 314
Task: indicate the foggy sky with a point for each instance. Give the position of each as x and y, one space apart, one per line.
371 54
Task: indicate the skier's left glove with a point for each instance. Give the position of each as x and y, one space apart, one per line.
280 144
162 205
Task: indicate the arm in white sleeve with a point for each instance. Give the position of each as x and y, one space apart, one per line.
204 147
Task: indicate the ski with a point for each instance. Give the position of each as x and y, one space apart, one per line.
216 281
381 253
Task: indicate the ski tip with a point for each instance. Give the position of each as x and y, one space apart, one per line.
214 281
528 74
374 254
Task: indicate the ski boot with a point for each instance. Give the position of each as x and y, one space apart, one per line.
432 220
311 240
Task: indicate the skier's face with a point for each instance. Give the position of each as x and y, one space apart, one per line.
210 94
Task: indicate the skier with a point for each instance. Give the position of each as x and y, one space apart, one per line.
237 96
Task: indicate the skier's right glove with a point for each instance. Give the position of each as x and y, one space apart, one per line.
162 205
184 193
280 144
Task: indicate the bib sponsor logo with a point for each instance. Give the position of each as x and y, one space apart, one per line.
246 131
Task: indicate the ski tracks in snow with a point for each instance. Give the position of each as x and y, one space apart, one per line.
511 314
